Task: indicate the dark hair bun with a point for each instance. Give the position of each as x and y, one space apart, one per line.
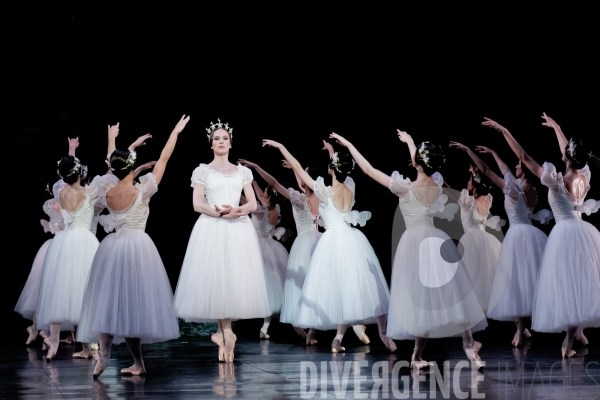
481 183
430 157
118 163
342 165
69 169
578 152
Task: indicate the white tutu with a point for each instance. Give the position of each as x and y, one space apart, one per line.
297 269
568 291
27 303
275 259
222 274
128 292
344 284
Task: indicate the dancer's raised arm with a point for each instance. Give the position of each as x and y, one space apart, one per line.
533 166
406 138
267 177
161 164
362 162
286 164
293 162
73 144
481 165
562 140
113 132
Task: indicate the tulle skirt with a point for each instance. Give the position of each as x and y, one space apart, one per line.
128 293
431 295
568 291
517 273
275 259
65 272
481 252
27 303
344 284
222 274
297 268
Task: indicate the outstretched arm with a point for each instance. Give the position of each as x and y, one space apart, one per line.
267 177
260 194
481 165
362 162
293 162
406 138
73 144
533 166
161 164
562 140
143 167
113 132
286 164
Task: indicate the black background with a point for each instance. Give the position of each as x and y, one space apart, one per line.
292 75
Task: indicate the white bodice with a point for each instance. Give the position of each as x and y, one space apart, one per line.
563 204
515 203
222 189
333 216
305 220
83 216
134 216
470 217
413 210
260 220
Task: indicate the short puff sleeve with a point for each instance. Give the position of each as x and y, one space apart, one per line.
399 185
147 186
200 175
322 192
297 199
550 178
57 187
247 174
97 189
511 188
466 201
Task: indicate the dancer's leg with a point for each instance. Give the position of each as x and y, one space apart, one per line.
135 348
518 339
567 346
102 357
33 332
310 338
265 328
300 332
229 339
471 348
336 345
218 339
581 337
86 352
387 341
359 331
52 341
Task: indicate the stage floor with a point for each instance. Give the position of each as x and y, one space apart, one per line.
188 368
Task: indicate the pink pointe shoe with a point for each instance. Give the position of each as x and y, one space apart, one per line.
230 340
359 330
217 338
472 353
336 346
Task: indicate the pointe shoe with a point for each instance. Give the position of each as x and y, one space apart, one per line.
44 347
264 335
473 354
300 332
229 336
420 364
218 340
310 338
336 346
99 368
360 332
94 347
391 345
527 333
32 335
51 351
517 340
82 355
134 372
581 337
566 350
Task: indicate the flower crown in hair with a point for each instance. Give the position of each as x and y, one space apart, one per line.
129 162
336 164
422 152
571 146
74 170
477 177
84 172
219 125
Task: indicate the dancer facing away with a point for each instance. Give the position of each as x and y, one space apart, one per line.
481 248
27 303
222 277
515 279
69 257
344 284
274 255
305 208
128 294
423 292
567 296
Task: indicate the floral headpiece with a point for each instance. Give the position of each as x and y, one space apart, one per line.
129 162
571 146
422 152
336 164
84 172
478 178
219 125
74 170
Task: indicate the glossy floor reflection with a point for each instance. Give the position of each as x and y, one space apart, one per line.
188 368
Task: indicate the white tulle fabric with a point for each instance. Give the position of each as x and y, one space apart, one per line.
481 249
274 255
518 265
430 297
68 261
222 274
27 303
568 291
344 284
128 293
300 255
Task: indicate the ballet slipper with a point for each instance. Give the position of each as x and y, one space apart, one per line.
300 332
566 349
99 367
264 335
527 333
391 345
336 346
133 370
472 353
51 351
230 340
32 335
310 338
359 330
85 353
581 337
218 340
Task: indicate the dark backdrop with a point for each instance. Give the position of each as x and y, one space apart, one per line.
289 75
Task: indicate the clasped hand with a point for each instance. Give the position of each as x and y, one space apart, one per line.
228 212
